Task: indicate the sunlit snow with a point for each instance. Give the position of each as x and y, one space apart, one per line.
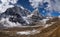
28 32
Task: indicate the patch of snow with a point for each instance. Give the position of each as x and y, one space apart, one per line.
25 18
24 32
28 32
44 21
47 25
30 15
22 7
49 17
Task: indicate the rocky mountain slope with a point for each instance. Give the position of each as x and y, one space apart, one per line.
19 16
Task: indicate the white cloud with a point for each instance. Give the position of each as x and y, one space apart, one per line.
55 5
6 23
5 4
52 5
35 3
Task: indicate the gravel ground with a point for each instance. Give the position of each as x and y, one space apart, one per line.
51 31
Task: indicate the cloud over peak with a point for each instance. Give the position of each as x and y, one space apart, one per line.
35 3
4 5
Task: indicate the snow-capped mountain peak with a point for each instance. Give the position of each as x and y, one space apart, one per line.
19 16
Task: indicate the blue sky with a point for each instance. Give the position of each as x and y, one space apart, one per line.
26 4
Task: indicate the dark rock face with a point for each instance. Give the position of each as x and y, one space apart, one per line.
15 14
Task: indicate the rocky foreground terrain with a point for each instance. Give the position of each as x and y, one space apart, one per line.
50 31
